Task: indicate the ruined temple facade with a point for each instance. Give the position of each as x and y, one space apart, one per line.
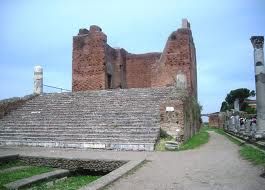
96 65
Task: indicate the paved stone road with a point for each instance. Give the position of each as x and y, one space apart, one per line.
216 165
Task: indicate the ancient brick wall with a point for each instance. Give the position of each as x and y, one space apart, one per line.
182 119
88 60
117 59
139 69
96 65
173 121
178 56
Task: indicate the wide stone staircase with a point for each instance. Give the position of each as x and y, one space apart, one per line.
125 119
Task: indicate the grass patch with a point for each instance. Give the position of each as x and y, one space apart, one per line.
160 145
164 137
20 174
71 183
202 137
254 155
10 164
197 140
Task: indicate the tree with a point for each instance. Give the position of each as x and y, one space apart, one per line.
225 106
241 94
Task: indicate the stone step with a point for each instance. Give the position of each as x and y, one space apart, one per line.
82 130
69 139
84 145
53 134
78 124
105 117
72 123
75 119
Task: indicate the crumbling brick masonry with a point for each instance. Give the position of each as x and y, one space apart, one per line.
97 66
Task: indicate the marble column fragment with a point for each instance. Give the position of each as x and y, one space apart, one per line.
38 80
258 42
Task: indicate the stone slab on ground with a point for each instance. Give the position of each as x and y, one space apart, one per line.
37 178
13 169
112 176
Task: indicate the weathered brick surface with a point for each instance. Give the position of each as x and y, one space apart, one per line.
139 71
96 65
213 120
172 121
89 59
178 56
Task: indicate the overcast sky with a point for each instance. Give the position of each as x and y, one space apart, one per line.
40 33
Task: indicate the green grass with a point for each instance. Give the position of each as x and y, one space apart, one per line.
164 137
196 141
160 146
253 155
10 164
202 137
71 183
20 174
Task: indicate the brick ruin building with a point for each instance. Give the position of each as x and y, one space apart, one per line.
96 65
156 91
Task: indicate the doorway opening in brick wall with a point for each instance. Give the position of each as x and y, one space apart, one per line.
109 81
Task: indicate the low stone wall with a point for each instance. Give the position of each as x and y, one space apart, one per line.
7 105
73 164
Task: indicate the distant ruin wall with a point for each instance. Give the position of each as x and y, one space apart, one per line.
214 121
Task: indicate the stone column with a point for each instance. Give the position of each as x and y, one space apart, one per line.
236 104
257 42
38 80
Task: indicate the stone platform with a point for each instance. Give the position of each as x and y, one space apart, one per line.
107 119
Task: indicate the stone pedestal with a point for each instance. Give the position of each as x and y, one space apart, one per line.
38 80
257 42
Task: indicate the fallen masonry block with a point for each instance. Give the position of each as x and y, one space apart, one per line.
172 145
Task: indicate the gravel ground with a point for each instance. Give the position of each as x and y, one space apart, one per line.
216 165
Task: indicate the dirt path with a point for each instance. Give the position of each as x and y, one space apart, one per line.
214 166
